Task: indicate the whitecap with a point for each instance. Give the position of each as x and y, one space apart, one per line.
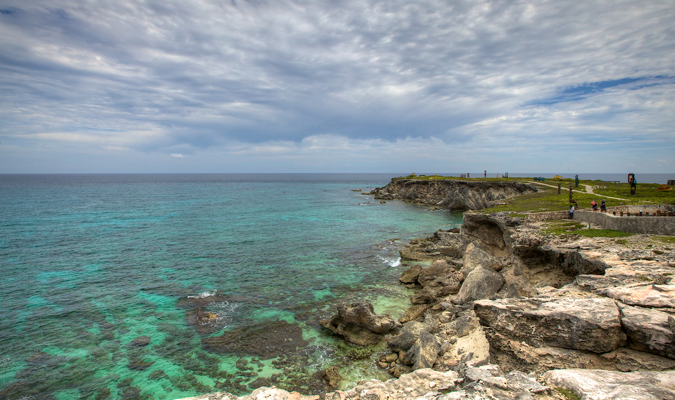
391 261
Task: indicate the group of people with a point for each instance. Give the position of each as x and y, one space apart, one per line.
594 204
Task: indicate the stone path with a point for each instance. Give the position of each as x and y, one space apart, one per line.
589 190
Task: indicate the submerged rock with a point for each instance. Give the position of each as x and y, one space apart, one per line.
265 340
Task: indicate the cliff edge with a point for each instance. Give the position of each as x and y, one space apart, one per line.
452 194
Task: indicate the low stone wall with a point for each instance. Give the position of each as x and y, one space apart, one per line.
547 216
652 225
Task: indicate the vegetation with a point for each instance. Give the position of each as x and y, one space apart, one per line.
548 199
566 227
570 395
665 239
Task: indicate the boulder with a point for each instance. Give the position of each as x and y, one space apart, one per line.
645 295
648 330
591 324
475 256
363 314
332 377
407 336
424 352
410 275
408 386
359 324
608 385
481 283
413 313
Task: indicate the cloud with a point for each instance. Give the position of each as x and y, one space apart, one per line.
198 76
177 155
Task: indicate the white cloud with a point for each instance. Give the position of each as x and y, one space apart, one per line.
304 78
177 155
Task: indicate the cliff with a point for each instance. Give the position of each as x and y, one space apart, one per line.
452 194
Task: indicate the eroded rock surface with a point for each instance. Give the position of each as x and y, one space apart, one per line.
358 324
610 385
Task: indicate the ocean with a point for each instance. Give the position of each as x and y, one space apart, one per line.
110 282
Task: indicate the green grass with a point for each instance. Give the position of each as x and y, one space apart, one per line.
665 239
566 227
570 395
548 199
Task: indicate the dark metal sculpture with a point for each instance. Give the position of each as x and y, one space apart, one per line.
632 182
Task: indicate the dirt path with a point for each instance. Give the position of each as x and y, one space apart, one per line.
589 190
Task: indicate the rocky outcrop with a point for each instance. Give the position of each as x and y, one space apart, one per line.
580 324
481 283
452 194
358 324
609 385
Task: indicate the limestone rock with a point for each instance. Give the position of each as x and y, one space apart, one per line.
362 314
413 313
475 256
424 352
358 323
407 386
407 336
608 385
648 330
481 283
582 324
410 275
332 376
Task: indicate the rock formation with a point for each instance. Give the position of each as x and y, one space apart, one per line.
451 194
505 312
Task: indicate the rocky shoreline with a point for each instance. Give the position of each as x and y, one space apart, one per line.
505 311
451 194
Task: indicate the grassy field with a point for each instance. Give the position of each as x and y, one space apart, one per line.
567 227
548 199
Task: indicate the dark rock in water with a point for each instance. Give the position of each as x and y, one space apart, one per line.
265 340
205 322
140 341
332 377
410 275
157 375
481 283
103 394
139 365
242 365
413 313
359 324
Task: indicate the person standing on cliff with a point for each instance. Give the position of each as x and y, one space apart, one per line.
594 204
572 212
603 206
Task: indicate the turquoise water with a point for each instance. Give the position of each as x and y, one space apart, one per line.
92 262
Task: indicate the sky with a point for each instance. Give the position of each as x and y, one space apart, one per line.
168 86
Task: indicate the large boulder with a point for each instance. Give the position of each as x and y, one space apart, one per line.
648 330
408 335
413 313
424 352
414 385
481 283
410 275
591 324
610 385
440 275
358 323
475 256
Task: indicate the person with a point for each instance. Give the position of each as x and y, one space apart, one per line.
572 212
603 206
594 204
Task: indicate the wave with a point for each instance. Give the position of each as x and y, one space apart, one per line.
391 261
203 295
